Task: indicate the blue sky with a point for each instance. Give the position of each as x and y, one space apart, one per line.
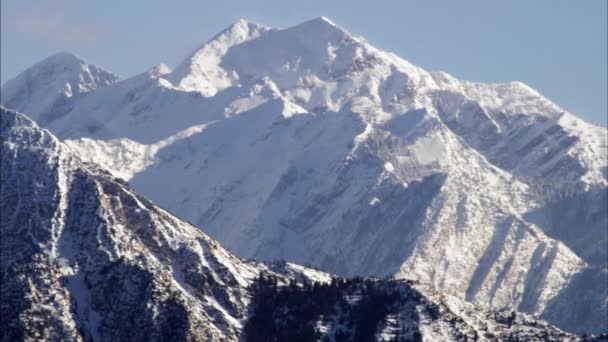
555 46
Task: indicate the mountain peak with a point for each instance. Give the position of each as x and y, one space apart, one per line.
63 57
321 21
320 26
241 27
200 72
244 23
10 118
383 146
46 86
159 70
62 62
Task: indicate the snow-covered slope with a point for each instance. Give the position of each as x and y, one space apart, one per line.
85 258
47 89
308 144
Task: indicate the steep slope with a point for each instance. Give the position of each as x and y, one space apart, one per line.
47 89
309 144
85 258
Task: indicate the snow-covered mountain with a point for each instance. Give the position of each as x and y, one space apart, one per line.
84 258
308 144
45 89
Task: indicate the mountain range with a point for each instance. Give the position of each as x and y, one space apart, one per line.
308 144
84 258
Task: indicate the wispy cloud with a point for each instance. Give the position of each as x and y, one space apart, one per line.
54 23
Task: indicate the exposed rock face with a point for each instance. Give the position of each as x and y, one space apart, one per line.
86 258
310 145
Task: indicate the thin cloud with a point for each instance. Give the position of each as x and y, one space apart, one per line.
53 25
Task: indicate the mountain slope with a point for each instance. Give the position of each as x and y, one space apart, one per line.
311 145
85 258
47 88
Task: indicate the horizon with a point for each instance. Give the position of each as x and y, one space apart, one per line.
553 75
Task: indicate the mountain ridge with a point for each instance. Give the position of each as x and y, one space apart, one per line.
86 258
65 73
386 167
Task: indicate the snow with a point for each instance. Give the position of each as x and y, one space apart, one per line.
106 237
428 151
336 154
201 71
374 201
65 73
389 167
314 275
